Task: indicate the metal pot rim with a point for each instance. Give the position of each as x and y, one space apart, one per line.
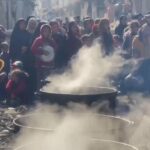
95 140
107 90
16 121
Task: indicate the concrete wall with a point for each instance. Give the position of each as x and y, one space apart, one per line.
11 10
142 6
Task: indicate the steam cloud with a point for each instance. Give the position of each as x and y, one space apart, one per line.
88 68
71 128
76 126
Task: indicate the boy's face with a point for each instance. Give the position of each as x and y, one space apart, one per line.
5 48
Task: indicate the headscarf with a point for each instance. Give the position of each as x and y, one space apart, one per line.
16 29
37 30
30 21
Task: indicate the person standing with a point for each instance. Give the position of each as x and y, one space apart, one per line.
73 43
44 58
19 41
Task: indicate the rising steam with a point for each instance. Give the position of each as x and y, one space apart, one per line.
73 128
88 68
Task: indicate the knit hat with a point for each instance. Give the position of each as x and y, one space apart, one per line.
17 64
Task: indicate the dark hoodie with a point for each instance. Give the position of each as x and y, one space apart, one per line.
119 30
73 43
18 39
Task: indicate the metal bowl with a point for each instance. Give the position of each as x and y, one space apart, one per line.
95 144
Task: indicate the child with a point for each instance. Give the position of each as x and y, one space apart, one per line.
17 87
17 65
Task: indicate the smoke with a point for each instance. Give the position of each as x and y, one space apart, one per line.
81 127
74 127
140 113
89 68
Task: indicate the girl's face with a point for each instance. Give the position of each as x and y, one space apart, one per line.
22 25
32 25
75 29
46 33
55 28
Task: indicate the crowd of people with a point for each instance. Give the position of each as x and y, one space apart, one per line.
37 48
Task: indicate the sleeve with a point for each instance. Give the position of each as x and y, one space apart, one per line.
9 86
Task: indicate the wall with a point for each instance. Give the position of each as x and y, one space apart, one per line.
11 10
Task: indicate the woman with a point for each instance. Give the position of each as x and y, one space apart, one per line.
31 26
37 30
19 41
43 67
59 38
29 59
105 37
129 36
73 43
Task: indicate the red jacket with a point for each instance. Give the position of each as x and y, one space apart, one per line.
39 42
16 90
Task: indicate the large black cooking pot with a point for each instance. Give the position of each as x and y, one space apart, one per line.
87 95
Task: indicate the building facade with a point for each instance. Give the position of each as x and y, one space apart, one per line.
12 10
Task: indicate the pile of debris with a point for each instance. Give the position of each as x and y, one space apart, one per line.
7 129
